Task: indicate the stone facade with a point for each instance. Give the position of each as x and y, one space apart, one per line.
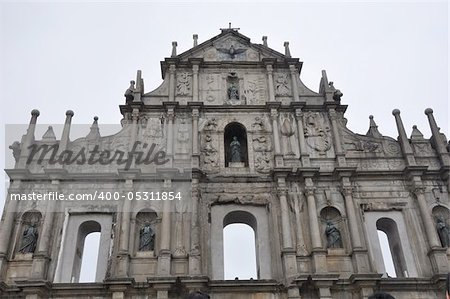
299 173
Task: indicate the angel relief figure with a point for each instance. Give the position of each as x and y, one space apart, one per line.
231 51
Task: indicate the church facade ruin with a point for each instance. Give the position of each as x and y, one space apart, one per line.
232 135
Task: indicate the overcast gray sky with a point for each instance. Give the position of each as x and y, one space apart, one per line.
81 55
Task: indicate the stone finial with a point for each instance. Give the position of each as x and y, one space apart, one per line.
174 49
95 131
34 115
70 113
373 128
49 135
287 52
416 134
195 37
264 39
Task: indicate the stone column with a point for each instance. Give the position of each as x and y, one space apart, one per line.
195 145
7 226
285 219
304 156
164 250
27 140
194 253
318 252
438 140
170 121
355 236
172 69
195 68
293 71
123 255
340 155
276 137
403 139
430 227
269 69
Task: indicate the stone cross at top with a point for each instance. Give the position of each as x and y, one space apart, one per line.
229 28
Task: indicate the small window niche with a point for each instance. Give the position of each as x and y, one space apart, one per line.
235 145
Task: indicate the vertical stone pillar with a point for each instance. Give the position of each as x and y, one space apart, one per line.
194 252
285 221
172 69
195 68
7 225
269 69
123 255
195 142
165 251
438 255
340 155
273 108
318 252
355 236
438 140
430 228
403 139
359 253
27 140
304 156
293 71
170 123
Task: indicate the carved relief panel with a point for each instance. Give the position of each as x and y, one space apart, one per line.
317 134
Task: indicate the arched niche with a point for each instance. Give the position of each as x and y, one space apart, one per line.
441 217
28 232
146 232
235 132
333 228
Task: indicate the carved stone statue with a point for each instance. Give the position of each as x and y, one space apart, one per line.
337 94
443 232
129 92
16 150
146 238
334 239
29 239
233 92
235 148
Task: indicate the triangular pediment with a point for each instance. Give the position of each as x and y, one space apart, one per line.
231 46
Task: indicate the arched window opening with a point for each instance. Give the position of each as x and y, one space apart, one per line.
239 252
90 257
85 229
387 255
240 246
235 145
389 227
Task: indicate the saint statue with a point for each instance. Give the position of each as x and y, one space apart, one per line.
334 239
146 238
443 232
29 239
235 149
129 92
233 92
